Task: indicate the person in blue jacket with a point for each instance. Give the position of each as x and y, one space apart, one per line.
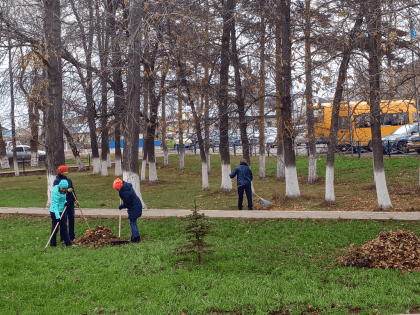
58 201
244 179
70 198
132 203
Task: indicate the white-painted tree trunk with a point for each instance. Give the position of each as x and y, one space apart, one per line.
292 183
226 180
261 172
16 167
143 170
384 202
104 168
205 176
108 159
312 168
4 162
134 179
165 157
80 164
153 178
50 186
329 184
280 167
34 159
96 165
181 159
118 168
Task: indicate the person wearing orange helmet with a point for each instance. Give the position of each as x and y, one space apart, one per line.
132 203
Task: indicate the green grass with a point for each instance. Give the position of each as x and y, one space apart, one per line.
177 188
286 266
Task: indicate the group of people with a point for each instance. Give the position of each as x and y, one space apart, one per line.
64 197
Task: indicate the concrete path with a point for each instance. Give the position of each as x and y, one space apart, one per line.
255 214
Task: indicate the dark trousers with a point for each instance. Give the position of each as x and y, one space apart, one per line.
70 216
63 229
248 191
134 228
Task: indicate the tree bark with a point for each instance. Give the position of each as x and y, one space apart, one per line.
292 184
280 173
227 12
73 148
53 120
197 122
332 141
12 109
374 36
261 172
4 161
131 128
240 97
308 96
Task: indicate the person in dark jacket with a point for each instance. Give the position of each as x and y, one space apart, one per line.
133 205
70 198
244 179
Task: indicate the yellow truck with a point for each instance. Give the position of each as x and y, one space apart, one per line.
393 114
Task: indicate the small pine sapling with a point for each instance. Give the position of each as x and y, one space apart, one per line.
196 228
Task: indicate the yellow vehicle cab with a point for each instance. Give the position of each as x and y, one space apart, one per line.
393 114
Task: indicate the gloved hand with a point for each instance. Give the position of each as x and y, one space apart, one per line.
120 207
70 190
77 202
57 216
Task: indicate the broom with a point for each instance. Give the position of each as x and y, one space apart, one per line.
266 203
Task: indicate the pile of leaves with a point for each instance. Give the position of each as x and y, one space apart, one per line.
399 250
97 237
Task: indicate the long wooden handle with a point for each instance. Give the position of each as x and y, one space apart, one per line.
56 226
81 211
119 225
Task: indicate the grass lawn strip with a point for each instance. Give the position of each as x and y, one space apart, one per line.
259 267
354 186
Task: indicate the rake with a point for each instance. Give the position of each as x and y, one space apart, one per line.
266 203
56 226
87 232
119 241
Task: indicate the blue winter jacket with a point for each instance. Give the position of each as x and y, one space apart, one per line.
130 201
244 174
58 199
69 196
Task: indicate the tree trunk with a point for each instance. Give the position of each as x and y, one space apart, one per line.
163 122
34 123
4 161
332 141
228 9
180 130
206 93
374 36
185 83
308 96
74 148
53 120
261 172
240 97
278 80
12 110
292 184
131 130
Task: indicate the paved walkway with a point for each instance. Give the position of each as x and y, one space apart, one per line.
256 214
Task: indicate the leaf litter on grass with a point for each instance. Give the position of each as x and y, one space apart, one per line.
97 237
392 249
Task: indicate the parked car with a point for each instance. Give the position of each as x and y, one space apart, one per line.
414 142
23 152
398 139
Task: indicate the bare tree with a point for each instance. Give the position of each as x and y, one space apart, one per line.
131 128
374 35
292 184
223 98
53 121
